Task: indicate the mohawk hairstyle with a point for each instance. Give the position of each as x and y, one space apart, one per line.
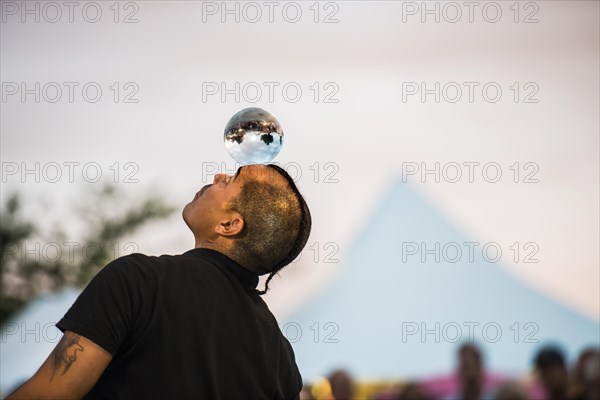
277 224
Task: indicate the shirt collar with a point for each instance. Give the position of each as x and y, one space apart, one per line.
247 278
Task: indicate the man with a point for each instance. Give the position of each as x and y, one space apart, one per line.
471 374
342 385
192 325
585 382
552 371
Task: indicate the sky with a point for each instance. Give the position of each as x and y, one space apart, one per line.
490 113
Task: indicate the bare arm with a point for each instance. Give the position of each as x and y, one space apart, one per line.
69 372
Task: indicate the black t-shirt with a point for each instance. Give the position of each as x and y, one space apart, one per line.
184 326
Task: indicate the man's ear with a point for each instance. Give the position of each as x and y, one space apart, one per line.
230 226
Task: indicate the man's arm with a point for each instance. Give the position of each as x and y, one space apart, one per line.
69 372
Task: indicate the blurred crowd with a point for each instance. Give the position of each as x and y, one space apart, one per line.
551 379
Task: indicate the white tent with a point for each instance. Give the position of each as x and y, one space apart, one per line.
386 317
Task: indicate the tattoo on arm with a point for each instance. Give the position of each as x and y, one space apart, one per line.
65 353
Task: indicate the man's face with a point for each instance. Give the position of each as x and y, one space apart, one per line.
208 209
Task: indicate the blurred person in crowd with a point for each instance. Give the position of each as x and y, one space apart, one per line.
388 393
413 391
552 371
591 378
306 393
192 325
582 382
511 390
342 385
471 374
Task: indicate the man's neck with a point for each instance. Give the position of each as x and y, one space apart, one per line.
208 244
221 248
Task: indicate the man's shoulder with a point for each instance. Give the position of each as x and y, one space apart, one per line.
129 262
149 266
139 260
135 265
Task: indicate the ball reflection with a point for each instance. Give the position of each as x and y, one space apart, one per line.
253 136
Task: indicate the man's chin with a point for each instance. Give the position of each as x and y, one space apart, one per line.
185 213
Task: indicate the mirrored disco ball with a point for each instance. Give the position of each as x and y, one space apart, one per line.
253 136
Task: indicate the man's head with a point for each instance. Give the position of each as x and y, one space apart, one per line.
552 370
342 384
257 217
470 369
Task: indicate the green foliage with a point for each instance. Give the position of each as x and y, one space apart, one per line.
108 217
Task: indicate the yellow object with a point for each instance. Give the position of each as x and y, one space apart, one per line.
321 389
